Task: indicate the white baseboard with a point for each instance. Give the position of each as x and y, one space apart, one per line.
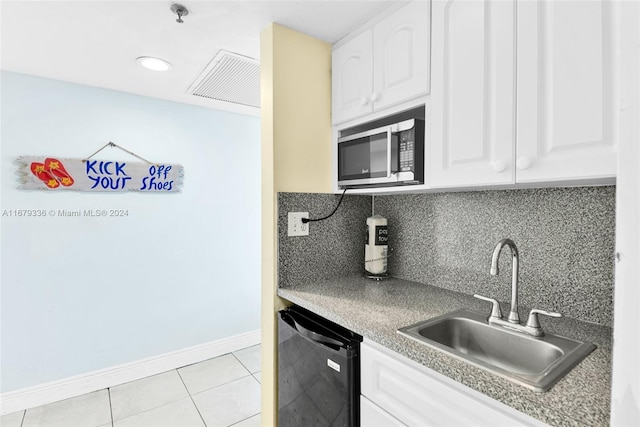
54 391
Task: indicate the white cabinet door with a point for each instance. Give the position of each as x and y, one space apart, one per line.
472 93
401 55
418 396
371 415
565 90
352 78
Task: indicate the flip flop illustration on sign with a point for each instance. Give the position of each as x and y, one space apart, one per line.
52 173
44 175
56 167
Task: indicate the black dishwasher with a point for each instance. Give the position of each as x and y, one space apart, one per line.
318 371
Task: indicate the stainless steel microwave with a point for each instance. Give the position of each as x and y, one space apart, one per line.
388 155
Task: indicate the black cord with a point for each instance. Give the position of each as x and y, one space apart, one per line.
306 220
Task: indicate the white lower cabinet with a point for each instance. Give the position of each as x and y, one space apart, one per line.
398 391
371 415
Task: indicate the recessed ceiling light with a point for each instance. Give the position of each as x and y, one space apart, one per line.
155 64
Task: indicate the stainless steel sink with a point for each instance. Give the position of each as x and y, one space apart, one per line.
534 362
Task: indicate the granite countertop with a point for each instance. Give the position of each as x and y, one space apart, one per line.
376 310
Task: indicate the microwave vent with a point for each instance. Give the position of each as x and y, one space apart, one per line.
230 77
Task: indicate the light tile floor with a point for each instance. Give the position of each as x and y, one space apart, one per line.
219 392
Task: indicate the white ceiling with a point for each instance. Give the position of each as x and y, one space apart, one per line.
96 42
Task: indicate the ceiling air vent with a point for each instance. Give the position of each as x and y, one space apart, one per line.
230 77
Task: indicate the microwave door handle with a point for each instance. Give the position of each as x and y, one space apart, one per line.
389 138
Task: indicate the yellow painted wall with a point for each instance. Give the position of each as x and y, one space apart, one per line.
301 111
295 91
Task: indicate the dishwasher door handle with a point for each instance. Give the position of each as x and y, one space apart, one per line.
313 336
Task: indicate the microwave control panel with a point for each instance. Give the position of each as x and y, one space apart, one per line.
407 150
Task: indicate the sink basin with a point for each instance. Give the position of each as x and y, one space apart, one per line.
534 362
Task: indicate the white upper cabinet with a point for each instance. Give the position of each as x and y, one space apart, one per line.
400 55
565 100
386 64
472 93
352 78
522 92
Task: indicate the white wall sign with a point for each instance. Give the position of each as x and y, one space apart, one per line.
53 174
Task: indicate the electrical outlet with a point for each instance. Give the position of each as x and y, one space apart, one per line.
295 226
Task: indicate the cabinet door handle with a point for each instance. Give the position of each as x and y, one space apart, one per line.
375 96
364 100
498 166
524 163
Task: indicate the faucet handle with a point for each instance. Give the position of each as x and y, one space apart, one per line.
534 322
495 306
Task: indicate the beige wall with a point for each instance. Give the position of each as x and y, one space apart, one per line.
295 79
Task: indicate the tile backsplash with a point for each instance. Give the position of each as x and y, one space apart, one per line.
565 238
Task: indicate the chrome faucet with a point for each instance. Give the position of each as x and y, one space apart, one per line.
514 317
532 326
